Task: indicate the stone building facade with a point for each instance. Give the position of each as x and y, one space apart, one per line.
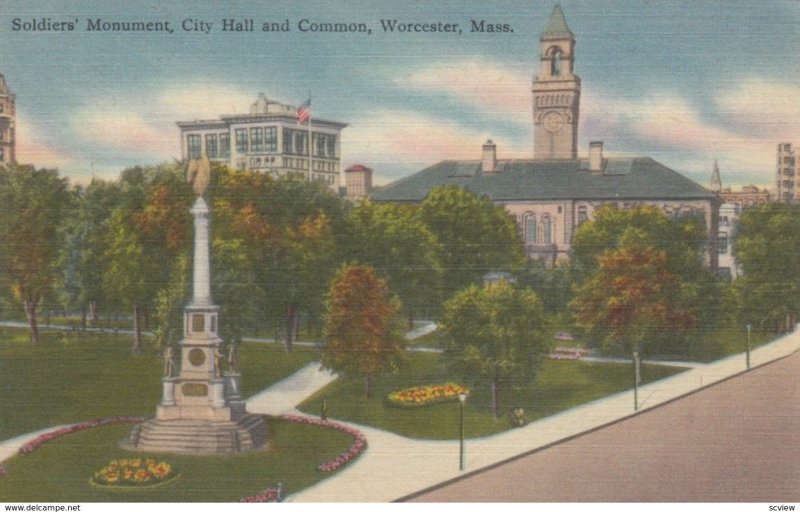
552 194
8 140
358 182
787 185
269 139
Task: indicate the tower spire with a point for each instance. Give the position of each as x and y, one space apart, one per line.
556 27
716 181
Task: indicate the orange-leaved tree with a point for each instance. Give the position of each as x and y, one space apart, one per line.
632 297
364 329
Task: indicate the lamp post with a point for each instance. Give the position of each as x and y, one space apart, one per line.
749 328
635 379
462 398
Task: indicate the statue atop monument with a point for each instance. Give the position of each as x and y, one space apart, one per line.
198 173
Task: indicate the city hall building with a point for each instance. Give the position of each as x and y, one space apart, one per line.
269 139
553 193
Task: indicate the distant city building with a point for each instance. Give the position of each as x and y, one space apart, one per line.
749 195
269 139
787 176
358 181
8 140
555 192
728 219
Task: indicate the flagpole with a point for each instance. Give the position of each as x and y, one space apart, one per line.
310 145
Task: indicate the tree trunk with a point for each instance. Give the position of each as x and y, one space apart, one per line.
291 326
30 312
93 316
496 398
137 329
410 320
83 318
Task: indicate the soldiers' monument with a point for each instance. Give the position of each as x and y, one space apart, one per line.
201 410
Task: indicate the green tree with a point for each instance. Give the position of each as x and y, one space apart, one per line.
35 201
632 298
475 235
289 227
363 330
399 246
144 237
495 334
682 240
767 246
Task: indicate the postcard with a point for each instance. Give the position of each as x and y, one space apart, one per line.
372 251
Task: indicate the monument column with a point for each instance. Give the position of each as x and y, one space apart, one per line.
201 410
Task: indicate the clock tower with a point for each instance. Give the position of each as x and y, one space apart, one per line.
556 93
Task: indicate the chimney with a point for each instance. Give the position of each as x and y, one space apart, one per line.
596 156
489 161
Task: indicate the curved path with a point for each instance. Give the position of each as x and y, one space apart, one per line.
738 441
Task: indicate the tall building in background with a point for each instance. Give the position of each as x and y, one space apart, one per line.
358 181
786 189
8 139
268 139
556 93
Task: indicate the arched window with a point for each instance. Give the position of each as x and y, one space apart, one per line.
555 62
547 230
530 228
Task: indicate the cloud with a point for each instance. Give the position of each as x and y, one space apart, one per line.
496 91
32 149
415 140
763 108
144 123
671 123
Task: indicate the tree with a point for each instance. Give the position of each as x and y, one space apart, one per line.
632 297
681 240
475 235
393 240
34 203
145 235
363 330
767 246
494 334
82 257
289 228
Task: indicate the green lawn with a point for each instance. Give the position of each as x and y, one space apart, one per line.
59 471
560 386
74 376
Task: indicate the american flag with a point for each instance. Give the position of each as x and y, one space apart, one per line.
304 111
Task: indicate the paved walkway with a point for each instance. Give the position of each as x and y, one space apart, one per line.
393 467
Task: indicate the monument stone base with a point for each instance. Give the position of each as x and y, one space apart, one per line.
190 424
199 436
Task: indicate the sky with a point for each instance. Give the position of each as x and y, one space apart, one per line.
684 82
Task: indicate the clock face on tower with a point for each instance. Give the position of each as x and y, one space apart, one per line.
552 122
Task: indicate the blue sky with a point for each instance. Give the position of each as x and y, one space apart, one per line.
683 82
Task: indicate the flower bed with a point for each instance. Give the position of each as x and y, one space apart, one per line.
49 436
134 473
269 495
427 395
358 445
